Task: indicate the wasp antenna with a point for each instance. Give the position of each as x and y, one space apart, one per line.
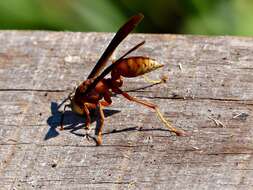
60 105
65 100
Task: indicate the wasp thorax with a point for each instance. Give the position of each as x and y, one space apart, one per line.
83 87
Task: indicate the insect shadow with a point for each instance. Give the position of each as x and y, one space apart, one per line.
72 121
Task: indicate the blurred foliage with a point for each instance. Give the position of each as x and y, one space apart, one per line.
212 17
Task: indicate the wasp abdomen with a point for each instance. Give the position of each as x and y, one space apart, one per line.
136 66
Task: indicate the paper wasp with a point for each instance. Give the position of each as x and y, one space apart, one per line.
96 90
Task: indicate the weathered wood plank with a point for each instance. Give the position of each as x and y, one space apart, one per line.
209 78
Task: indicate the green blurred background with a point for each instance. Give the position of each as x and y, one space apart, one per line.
210 17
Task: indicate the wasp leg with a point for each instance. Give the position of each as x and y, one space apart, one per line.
62 116
102 118
163 79
107 99
154 107
105 103
87 122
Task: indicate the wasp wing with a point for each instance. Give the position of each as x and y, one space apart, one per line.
117 39
109 68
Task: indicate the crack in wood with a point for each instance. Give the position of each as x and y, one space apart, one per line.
29 90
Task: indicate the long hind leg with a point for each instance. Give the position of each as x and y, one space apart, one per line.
101 119
87 122
152 106
163 79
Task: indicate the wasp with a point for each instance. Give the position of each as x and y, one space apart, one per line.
96 91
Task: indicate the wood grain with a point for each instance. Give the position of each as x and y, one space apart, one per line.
210 79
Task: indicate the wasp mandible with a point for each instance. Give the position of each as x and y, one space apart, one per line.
95 92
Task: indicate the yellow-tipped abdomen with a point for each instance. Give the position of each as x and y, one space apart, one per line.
136 66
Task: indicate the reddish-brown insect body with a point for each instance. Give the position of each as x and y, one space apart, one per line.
95 92
135 66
